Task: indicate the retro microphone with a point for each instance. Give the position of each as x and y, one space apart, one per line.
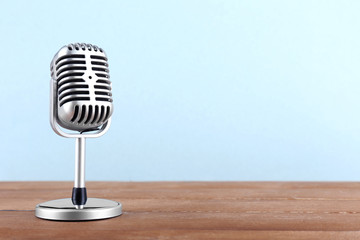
81 106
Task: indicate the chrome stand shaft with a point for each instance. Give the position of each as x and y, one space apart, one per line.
79 191
79 181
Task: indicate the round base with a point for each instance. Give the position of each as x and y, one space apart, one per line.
64 210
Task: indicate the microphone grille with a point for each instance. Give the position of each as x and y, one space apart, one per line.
83 86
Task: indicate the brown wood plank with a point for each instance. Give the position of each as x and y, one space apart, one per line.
192 210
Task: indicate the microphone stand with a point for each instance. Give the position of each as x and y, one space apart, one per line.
78 207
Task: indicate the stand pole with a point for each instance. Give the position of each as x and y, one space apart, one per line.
79 191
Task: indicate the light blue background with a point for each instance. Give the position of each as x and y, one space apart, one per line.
203 90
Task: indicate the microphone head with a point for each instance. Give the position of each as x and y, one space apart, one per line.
83 88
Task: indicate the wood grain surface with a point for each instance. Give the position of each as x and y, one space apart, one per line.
191 210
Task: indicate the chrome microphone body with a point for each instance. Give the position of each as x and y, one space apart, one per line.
81 101
81 107
84 98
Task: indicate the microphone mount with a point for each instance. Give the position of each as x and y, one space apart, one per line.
79 194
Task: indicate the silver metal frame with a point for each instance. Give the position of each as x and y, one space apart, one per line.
79 180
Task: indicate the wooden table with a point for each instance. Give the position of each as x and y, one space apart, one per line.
191 210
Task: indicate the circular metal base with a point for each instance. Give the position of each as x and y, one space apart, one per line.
64 210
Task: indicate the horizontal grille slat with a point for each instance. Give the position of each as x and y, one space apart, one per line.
103 93
102 87
103 99
98 57
69 56
73 86
99 63
73 80
102 75
74 99
70 69
100 69
103 81
73 74
70 62
73 93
